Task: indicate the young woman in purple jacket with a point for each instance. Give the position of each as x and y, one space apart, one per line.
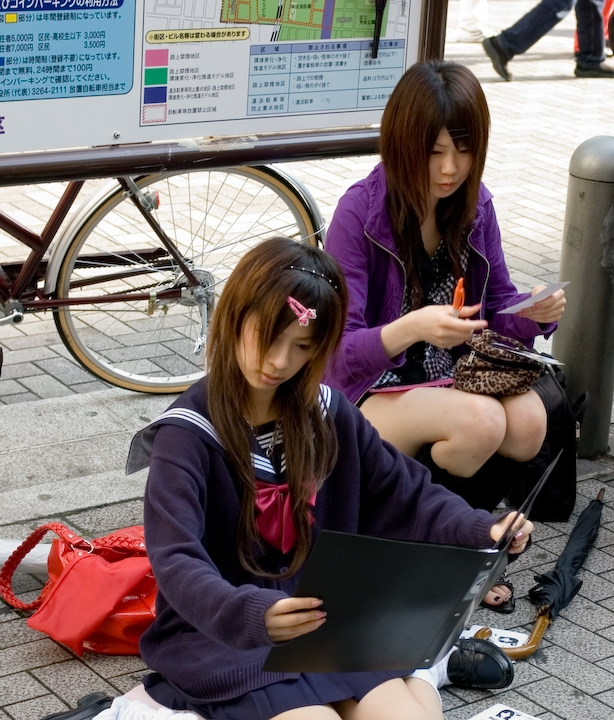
404 236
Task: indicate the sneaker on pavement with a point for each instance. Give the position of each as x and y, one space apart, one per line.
469 36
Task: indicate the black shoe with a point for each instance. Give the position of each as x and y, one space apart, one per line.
602 70
479 664
87 707
497 56
507 607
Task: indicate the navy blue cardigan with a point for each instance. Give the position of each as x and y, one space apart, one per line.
209 638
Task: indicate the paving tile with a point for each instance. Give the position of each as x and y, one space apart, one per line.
32 339
28 355
596 588
65 371
46 386
110 666
565 701
72 494
30 655
17 633
14 372
22 469
511 698
35 709
591 647
19 687
103 520
72 680
7 614
570 668
20 398
588 614
10 387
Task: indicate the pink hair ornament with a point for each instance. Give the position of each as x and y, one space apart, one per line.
303 314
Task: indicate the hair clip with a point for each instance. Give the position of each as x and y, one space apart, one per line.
458 133
315 272
303 314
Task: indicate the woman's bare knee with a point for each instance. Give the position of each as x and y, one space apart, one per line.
527 424
477 435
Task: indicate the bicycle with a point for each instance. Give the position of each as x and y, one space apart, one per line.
133 278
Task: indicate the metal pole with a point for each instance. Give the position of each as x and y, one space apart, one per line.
204 154
585 338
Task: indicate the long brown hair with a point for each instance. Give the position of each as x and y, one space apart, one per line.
258 288
428 98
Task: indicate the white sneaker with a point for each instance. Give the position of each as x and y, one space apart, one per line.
469 36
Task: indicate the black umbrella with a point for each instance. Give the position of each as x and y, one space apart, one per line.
557 588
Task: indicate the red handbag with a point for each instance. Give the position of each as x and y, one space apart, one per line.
100 595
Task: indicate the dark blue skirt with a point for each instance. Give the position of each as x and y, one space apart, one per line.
271 700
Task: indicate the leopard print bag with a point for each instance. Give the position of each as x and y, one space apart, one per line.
490 368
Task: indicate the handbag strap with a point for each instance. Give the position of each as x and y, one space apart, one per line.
119 539
9 567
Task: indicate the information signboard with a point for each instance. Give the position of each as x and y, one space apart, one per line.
77 73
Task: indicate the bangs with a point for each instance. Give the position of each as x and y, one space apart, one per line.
273 313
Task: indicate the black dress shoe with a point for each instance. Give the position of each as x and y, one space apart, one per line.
87 707
479 664
497 56
602 70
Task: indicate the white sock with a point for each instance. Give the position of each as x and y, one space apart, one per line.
436 676
124 709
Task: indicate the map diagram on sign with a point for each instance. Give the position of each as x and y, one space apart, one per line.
305 20
234 59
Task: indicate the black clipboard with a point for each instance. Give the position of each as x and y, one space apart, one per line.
391 604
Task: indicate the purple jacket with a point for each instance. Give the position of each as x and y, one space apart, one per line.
360 238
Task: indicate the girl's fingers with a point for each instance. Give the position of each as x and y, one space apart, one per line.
291 617
292 604
469 310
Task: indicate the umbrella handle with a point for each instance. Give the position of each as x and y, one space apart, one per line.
542 622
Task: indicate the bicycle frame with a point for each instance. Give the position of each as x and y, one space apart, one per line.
21 293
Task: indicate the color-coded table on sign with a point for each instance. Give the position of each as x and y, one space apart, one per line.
155 82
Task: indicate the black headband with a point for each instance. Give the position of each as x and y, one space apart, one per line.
315 272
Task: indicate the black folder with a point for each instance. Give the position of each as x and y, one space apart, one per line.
391 604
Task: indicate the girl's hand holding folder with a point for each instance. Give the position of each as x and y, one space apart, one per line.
522 531
291 617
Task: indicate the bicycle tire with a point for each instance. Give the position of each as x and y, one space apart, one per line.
213 217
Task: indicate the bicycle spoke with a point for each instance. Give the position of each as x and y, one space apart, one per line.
213 218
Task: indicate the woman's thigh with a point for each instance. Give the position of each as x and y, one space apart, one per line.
427 415
394 700
312 712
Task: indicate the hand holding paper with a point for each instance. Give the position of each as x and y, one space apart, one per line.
545 305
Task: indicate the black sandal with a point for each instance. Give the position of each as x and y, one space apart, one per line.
507 607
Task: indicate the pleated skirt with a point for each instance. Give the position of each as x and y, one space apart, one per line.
271 700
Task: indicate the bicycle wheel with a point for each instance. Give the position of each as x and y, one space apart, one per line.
150 344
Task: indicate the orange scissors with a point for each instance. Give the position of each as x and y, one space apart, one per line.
459 298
